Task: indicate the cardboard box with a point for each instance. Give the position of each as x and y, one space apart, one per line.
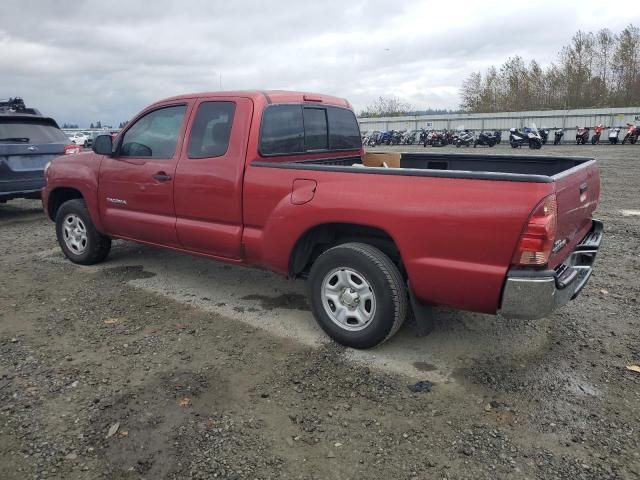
376 159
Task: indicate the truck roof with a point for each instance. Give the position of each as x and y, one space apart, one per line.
271 96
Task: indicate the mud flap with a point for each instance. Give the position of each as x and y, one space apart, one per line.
422 313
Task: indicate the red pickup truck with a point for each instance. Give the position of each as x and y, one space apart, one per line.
276 180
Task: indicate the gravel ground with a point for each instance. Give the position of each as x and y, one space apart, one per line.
102 380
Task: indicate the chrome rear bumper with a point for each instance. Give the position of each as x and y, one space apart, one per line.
531 294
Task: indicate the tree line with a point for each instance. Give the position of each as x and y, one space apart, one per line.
599 69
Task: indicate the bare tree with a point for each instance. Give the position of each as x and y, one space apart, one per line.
470 93
387 107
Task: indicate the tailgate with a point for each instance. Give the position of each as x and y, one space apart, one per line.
22 166
577 192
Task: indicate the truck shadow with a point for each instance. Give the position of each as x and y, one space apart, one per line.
277 305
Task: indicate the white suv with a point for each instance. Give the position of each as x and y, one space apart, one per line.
79 138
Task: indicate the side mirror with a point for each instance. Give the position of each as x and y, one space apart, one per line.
103 145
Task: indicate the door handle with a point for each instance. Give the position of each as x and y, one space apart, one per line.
162 177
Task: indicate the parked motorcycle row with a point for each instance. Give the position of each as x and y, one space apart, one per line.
630 136
435 138
531 137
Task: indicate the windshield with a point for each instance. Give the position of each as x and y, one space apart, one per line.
30 130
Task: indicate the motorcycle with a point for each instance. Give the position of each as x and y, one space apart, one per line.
396 137
632 134
384 138
582 135
526 136
597 131
498 136
485 138
465 138
423 137
544 135
438 139
428 139
557 136
372 141
614 133
410 138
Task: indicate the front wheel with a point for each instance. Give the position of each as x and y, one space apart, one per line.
78 238
357 295
535 144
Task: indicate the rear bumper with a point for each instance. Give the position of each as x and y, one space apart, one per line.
22 187
531 294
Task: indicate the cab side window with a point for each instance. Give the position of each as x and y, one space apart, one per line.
154 135
211 130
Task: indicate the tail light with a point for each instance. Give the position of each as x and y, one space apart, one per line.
71 149
536 241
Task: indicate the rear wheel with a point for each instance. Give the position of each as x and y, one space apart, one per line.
78 238
357 295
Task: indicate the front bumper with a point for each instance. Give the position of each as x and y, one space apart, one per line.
531 294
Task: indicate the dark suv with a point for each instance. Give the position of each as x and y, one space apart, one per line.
28 141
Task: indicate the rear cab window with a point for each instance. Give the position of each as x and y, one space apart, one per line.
291 129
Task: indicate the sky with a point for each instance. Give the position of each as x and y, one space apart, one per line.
84 61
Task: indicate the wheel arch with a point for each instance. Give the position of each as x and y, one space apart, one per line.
58 196
319 238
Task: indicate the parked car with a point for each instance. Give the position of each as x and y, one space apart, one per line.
279 180
28 140
80 138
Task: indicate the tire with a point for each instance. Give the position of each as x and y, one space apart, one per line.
458 144
349 264
92 246
85 144
624 140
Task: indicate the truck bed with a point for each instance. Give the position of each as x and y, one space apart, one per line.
517 168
